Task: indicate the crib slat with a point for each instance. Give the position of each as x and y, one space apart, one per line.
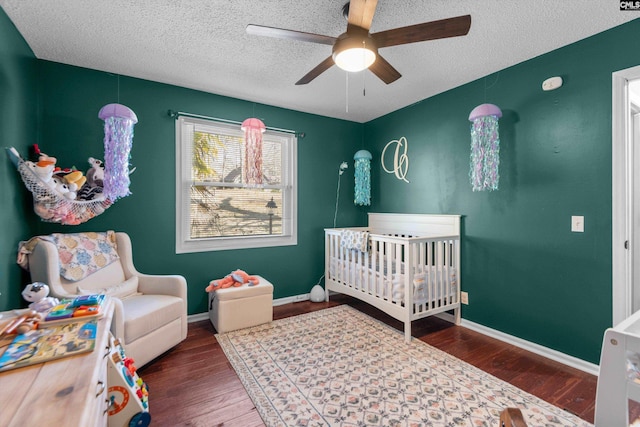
449 271
423 266
384 267
352 273
397 281
443 276
338 255
366 261
360 271
441 264
456 270
446 270
378 273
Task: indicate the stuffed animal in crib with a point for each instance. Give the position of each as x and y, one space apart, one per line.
37 293
235 278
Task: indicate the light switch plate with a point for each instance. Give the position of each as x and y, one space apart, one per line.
577 224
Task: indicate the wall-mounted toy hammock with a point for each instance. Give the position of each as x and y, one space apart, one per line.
68 197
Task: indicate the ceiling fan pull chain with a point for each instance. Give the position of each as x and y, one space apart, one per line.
364 84
347 91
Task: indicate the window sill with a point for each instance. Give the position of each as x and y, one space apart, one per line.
222 244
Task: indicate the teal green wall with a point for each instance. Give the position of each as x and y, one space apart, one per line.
71 98
526 273
18 128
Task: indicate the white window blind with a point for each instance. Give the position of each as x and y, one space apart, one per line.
215 209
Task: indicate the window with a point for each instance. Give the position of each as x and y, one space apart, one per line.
215 208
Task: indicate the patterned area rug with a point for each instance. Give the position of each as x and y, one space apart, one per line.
340 367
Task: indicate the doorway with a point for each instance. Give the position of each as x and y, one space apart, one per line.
626 193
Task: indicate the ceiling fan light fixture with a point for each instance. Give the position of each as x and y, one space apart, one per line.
355 59
354 52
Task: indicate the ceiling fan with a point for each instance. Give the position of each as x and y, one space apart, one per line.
357 48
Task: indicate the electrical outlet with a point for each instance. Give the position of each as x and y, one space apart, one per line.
464 298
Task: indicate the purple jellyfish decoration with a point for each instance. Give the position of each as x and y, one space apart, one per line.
118 136
485 147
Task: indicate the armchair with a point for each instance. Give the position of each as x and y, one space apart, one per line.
150 311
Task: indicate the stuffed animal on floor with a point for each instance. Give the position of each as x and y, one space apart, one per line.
235 278
37 293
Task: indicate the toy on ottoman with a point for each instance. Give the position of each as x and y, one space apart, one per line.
239 301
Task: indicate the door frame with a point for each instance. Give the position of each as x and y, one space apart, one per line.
622 195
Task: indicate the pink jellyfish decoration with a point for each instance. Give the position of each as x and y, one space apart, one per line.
118 137
485 147
252 171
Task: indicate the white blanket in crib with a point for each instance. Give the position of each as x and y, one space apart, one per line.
352 239
395 286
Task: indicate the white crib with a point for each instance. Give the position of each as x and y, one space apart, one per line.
619 378
408 265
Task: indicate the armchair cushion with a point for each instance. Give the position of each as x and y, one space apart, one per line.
144 314
122 290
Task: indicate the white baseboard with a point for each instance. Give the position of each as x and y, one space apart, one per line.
280 301
287 300
198 317
295 298
563 358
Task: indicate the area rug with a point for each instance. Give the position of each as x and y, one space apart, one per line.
340 367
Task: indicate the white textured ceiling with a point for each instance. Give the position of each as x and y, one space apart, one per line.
202 44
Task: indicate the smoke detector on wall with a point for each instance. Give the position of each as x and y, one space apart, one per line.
552 83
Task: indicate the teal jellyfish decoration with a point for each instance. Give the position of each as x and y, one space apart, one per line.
362 196
485 147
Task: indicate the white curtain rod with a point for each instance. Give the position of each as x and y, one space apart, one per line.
176 114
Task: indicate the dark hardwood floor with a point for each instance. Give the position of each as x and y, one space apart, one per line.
194 384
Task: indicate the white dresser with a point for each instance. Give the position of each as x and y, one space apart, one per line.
71 391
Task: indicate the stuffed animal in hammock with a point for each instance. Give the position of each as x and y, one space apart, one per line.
234 279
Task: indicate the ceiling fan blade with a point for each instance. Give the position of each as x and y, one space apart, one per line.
361 13
280 33
319 69
451 27
384 70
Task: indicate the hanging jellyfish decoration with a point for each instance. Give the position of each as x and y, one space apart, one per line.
118 138
252 171
362 192
485 147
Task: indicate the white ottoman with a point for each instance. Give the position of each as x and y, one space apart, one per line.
241 307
